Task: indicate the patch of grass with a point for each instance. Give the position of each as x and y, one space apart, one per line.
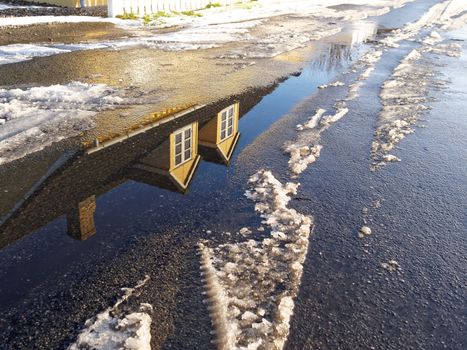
147 19
213 4
192 13
130 15
160 14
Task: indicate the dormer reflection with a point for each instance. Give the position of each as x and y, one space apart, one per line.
219 137
171 165
165 153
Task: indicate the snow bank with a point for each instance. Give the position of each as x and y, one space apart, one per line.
34 118
251 285
366 64
313 121
404 96
301 156
113 329
449 14
331 119
335 84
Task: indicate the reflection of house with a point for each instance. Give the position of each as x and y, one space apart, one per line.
173 163
164 155
218 138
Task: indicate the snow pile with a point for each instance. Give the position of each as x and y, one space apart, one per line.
113 329
34 118
335 84
403 98
313 121
449 14
366 64
364 231
301 156
251 285
331 119
433 38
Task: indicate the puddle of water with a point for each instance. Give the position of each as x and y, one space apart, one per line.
92 196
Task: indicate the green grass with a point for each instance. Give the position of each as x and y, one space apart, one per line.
213 4
192 13
130 15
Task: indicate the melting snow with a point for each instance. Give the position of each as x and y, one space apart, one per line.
335 84
391 266
251 285
301 156
112 329
403 98
36 117
312 121
364 231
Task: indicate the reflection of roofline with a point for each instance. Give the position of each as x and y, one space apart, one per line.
219 156
82 174
180 187
101 145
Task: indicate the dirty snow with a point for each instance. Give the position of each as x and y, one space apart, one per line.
366 65
114 329
335 84
364 231
405 97
35 117
313 121
331 119
301 156
247 307
305 149
444 14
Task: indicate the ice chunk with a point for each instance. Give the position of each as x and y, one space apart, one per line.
364 231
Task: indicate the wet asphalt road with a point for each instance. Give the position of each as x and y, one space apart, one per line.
346 299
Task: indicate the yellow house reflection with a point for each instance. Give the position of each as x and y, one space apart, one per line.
164 154
218 138
172 164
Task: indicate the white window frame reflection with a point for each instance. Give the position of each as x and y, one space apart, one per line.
183 145
227 122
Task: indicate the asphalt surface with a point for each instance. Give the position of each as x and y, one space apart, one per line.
50 283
